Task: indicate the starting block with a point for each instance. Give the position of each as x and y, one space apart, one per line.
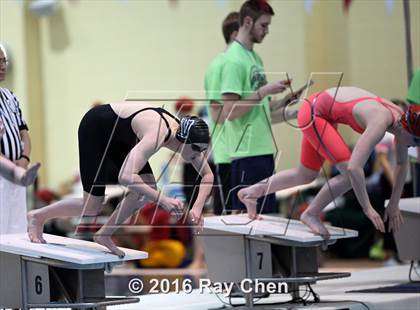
271 250
407 238
63 273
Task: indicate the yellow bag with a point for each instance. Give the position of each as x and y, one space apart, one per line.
164 253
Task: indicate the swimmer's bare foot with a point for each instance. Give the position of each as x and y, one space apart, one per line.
28 177
250 202
35 227
315 224
107 242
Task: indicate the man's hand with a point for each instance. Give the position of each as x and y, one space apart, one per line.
288 100
26 177
272 88
23 163
292 97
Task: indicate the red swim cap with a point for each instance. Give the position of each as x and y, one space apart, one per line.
45 195
410 120
184 105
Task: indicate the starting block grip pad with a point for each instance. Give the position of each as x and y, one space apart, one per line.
63 273
273 226
69 250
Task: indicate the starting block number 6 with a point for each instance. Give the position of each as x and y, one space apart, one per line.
38 283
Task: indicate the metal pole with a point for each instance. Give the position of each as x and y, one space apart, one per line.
409 62
249 297
24 279
408 48
293 273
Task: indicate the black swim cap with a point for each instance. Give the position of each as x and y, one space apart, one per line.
193 130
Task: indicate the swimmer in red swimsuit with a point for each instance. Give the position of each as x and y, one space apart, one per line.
318 117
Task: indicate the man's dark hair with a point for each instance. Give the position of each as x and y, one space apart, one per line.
254 9
399 102
230 25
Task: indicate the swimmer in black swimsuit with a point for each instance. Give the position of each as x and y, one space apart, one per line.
115 144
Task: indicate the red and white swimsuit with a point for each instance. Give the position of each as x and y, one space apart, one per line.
327 114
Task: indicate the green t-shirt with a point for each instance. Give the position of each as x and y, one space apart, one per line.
413 95
212 87
243 73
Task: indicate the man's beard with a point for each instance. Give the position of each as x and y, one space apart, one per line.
254 37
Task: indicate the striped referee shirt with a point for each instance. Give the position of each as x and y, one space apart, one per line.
11 115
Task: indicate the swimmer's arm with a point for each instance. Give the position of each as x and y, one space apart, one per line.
135 161
400 173
361 152
202 167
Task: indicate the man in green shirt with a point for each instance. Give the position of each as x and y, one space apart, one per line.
219 147
413 97
246 105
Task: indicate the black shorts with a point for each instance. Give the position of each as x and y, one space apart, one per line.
104 142
248 171
221 197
